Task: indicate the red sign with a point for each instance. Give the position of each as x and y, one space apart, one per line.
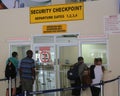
45 54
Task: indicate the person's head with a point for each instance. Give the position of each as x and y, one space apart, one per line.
29 53
80 60
98 61
14 54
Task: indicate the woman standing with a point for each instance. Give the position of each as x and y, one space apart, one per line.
96 72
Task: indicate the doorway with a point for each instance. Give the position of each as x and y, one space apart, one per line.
54 55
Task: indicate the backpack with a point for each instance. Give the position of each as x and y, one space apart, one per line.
73 72
10 70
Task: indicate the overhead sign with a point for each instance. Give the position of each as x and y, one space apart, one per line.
56 13
49 29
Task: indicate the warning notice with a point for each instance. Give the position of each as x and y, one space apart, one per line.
45 54
56 13
112 24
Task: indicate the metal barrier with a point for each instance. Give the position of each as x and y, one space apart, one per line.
102 83
9 88
71 88
4 79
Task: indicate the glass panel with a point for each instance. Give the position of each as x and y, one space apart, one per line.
43 39
71 38
20 49
45 74
68 56
91 51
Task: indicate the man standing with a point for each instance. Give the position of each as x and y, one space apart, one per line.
77 82
27 72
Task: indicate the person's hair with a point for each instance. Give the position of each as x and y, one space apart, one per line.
80 58
100 59
29 52
97 60
14 54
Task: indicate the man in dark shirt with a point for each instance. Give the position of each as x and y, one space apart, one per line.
27 72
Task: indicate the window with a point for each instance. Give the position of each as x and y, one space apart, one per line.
91 51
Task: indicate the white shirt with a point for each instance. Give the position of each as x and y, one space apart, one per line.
98 75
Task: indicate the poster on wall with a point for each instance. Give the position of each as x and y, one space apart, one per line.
112 24
8 4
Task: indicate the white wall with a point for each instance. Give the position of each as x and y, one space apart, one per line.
15 24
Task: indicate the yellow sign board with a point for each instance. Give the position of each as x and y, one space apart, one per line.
54 13
49 29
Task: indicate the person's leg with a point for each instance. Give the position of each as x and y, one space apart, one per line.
92 90
27 85
74 90
14 4
78 84
7 93
18 3
23 84
13 87
14 92
95 91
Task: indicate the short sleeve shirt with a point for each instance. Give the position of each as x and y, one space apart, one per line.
26 66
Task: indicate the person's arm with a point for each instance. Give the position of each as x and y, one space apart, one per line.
33 70
103 69
20 69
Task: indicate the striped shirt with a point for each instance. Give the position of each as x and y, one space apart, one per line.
26 66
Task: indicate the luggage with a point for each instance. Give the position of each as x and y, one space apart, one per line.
73 73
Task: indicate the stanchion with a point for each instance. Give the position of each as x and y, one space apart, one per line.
119 86
101 84
102 88
25 93
9 86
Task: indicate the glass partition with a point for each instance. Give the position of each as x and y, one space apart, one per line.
91 51
45 69
20 49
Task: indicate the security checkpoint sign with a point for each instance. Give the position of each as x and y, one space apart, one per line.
55 13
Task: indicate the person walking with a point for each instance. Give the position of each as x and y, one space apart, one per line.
96 73
27 72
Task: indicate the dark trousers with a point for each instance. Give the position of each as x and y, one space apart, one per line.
95 91
76 92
